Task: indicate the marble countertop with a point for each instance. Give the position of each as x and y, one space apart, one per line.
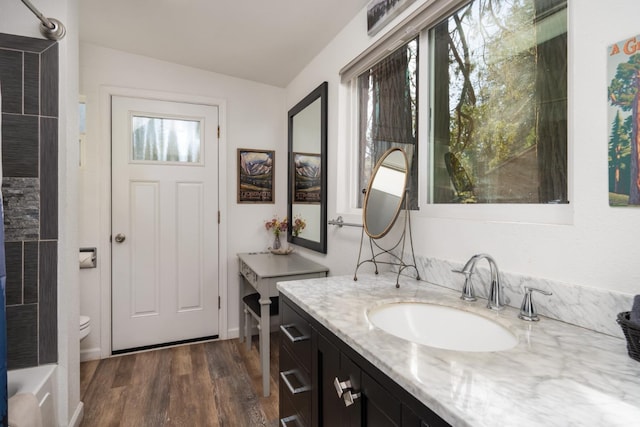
557 375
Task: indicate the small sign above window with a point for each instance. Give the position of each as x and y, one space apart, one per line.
381 12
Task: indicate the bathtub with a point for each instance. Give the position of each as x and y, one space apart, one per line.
41 381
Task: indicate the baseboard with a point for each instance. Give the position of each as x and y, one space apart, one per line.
96 354
90 354
78 415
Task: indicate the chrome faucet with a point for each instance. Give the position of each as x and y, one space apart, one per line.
468 293
496 296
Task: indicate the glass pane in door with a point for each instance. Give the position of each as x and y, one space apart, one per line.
161 139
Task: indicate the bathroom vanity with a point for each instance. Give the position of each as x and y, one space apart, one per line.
323 381
337 369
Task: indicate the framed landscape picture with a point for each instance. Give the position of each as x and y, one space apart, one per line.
255 176
380 12
307 178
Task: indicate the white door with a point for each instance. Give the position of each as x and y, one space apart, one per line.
164 174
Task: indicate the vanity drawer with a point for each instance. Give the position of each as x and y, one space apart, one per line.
289 416
248 274
295 335
295 388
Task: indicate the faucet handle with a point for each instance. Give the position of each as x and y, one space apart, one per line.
527 309
468 293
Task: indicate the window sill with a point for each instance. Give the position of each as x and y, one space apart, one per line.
551 214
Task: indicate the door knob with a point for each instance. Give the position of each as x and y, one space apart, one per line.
120 238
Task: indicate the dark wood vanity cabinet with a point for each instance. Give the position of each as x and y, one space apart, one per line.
330 364
295 385
368 397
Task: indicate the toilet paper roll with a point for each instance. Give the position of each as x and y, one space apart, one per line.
86 259
24 411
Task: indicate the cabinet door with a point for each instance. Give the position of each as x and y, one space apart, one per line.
351 372
332 410
427 418
410 419
381 408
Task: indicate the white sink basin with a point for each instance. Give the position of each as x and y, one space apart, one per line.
441 327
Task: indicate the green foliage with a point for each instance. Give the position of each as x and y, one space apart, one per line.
619 154
624 86
492 68
618 199
623 93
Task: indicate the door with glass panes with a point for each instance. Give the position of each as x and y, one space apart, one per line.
164 203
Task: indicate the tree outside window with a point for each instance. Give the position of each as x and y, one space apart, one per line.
499 103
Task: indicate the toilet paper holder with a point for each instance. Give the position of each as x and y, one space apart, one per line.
88 257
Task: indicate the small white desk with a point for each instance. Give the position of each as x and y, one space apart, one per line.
261 271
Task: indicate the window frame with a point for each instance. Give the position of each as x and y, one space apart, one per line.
420 21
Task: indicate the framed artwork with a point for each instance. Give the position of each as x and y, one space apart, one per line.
255 176
623 66
380 12
307 178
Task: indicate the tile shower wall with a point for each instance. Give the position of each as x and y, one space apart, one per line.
29 82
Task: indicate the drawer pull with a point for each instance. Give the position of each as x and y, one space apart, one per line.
291 421
294 390
345 391
341 387
350 398
298 337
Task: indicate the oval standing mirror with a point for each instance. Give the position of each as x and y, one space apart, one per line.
385 194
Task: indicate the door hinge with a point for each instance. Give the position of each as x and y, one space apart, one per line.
219 303
218 132
218 217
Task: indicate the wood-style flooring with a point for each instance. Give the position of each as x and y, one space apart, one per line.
197 385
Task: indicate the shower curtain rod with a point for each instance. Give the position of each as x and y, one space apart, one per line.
51 28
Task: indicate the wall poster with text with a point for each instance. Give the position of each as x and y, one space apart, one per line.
623 78
255 176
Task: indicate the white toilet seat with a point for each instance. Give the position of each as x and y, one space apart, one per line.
85 326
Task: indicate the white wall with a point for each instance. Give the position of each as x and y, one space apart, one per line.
598 246
254 118
17 19
594 249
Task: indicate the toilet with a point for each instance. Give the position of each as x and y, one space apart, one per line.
85 326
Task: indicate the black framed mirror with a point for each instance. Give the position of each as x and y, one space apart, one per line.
307 195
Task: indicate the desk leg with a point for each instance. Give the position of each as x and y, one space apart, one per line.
265 330
241 327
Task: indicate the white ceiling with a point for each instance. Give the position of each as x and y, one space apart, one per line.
260 40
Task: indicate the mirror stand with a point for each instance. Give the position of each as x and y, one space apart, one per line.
378 251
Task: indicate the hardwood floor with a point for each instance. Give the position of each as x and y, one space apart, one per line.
197 385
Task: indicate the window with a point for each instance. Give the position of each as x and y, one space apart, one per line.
388 114
159 139
499 103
